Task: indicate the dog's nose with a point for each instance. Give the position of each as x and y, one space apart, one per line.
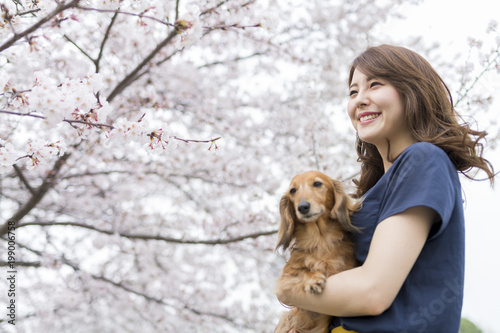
304 207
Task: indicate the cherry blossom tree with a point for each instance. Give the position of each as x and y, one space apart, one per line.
144 146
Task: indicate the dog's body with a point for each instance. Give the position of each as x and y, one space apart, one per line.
315 224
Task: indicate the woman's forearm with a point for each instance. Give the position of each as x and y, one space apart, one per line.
345 294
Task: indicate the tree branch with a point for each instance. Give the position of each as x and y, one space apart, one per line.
79 48
31 11
22 114
23 179
486 69
153 237
232 60
119 285
210 10
176 10
21 263
161 301
60 8
132 75
100 125
38 195
197 141
104 40
140 15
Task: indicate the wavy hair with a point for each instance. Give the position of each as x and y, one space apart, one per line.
428 109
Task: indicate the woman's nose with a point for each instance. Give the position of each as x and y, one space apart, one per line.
361 99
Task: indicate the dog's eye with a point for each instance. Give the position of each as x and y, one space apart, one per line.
293 190
317 184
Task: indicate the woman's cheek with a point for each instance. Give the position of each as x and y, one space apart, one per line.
351 113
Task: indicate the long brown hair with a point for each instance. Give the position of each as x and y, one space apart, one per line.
429 113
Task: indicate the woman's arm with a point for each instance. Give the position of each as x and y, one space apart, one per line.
371 288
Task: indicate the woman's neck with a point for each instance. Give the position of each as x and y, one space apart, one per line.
390 151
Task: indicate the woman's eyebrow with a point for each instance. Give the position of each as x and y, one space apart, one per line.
368 79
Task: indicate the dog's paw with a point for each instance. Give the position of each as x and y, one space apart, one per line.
316 283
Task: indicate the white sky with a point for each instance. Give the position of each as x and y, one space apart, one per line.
450 23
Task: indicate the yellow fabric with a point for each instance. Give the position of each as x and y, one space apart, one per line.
341 330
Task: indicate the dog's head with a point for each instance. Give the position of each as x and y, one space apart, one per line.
313 195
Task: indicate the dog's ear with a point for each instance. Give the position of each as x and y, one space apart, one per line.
344 207
287 214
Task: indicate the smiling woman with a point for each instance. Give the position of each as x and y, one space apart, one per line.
377 113
423 108
412 240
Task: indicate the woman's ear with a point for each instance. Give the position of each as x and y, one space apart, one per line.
344 207
287 214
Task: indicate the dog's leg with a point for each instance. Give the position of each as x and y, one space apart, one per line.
314 282
303 321
302 280
285 323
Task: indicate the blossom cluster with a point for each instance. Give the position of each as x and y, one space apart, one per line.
8 156
155 138
72 100
189 27
34 153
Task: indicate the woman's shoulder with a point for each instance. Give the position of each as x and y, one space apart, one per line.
426 147
423 161
420 162
424 152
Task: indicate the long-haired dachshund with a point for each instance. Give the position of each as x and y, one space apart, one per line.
315 225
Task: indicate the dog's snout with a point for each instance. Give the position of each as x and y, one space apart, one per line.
304 207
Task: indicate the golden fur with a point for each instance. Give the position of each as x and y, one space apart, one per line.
315 225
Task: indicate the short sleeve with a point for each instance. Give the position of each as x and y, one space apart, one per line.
423 175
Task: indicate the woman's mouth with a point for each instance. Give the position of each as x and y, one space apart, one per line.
365 116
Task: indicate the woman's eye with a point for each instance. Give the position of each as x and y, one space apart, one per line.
375 83
352 93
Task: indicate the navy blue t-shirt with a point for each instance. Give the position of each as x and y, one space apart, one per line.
430 299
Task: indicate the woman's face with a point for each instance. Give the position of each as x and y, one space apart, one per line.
377 114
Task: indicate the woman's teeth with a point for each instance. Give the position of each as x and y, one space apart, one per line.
371 116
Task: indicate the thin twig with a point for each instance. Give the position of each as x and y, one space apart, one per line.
69 121
132 75
140 15
22 114
100 125
476 80
78 47
121 285
198 141
22 264
31 11
153 237
210 10
176 10
40 192
87 123
34 27
104 40
236 26
23 179
232 60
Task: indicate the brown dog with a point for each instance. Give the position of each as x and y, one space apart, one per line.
315 224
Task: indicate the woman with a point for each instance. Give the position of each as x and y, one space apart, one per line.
411 244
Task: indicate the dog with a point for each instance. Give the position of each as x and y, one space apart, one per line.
315 225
